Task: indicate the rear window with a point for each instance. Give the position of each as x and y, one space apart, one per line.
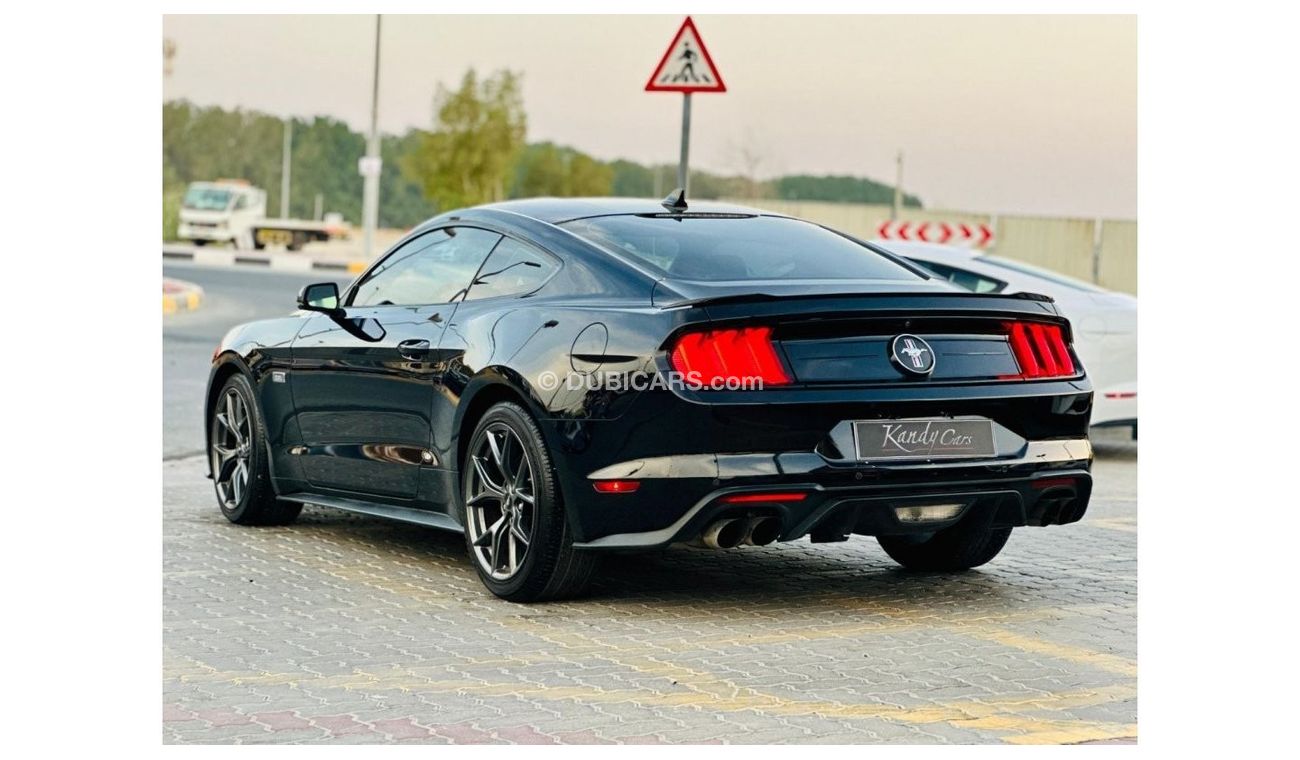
737 248
963 278
1042 274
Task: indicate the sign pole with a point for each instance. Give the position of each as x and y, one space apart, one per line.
684 165
685 67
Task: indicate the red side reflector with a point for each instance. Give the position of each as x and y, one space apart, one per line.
1046 483
738 354
1040 350
616 486
765 498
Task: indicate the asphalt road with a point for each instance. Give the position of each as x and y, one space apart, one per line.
230 296
342 629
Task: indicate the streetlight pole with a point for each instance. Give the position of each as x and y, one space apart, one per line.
169 52
285 167
370 165
898 188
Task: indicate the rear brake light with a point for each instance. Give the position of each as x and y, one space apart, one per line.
1040 350
714 357
763 498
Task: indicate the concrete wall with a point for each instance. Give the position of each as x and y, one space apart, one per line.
1065 245
1100 251
1117 264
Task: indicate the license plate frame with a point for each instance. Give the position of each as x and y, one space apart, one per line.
923 439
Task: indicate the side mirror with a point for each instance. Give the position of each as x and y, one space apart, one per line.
320 296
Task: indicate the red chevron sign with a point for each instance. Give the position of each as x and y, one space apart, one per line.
947 233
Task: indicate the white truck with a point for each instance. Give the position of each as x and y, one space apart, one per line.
233 211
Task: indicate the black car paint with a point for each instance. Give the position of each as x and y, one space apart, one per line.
358 419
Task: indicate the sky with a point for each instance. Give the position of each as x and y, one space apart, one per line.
997 114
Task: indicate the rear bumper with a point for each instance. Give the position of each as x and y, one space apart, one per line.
684 450
1048 483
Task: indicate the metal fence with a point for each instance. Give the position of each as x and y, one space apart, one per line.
1103 251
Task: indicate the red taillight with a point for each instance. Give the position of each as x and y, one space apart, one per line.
1040 350
763 498
616 486
713 357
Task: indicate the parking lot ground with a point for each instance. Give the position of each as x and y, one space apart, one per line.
347 629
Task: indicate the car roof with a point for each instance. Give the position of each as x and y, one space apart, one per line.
556 210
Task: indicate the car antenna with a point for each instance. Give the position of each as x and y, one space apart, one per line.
676 201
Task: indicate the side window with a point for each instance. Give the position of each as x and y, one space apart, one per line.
512 269
433 268
241 202
962 278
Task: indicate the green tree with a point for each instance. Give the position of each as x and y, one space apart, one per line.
548 169
589 177
402 202
171 212
477 154
325 153
632 180
705 185
478 133
211 143
539 171
844 189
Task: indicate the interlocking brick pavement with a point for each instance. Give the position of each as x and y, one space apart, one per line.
341 629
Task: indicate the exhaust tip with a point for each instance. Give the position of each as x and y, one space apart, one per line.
923 513
724 534
761 531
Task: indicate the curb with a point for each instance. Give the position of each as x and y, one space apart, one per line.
179 295
228 257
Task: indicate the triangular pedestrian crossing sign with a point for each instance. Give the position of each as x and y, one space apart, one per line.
687 65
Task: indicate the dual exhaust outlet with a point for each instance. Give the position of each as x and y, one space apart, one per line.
730 532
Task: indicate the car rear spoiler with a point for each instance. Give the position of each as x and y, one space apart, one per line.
668 293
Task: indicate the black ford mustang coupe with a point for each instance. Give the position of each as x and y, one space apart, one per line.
561 378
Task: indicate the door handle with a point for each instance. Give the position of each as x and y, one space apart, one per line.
416 349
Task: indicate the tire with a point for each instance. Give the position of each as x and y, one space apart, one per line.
241 472
199 243
970 543
507 464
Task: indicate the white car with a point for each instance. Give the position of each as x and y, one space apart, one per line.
1104 322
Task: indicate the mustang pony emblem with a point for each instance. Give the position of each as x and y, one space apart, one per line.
912 355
